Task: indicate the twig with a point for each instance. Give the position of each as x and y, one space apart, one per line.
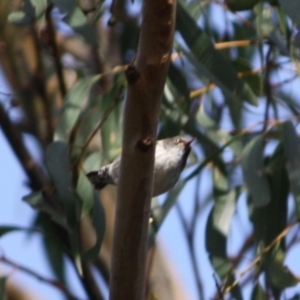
55 52
13 135
219 288
258 258
53 282
39 84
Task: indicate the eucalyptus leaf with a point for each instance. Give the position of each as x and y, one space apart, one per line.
292 152
57 160
291 8
280 276
254 171
75 102
31 10
37 201
213 65
97 214
77 20
215 242
3 294
258 293
8 229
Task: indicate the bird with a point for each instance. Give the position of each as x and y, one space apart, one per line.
170 159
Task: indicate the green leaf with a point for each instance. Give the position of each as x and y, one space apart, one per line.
179 80
97 214
215 242
266 29
75 17
215 134
292 152
258 293
225 202
98 12
252 79
237 5
55 253
3 295
254 171
224 210
31 10
75 102
292 9
212 64
57 160
54 244
84 187
37 201
280 276
263 20
18 18
8 229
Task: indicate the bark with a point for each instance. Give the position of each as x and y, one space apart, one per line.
146 79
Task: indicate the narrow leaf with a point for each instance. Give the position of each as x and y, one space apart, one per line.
258 293
254 172
57 160
37 201
212 64
77 20
292 152
75 101
8 229
98 221
280 276
3 295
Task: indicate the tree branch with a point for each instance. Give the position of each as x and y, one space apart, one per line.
35 174
50 281
146 79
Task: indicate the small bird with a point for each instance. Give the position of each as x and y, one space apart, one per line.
170 159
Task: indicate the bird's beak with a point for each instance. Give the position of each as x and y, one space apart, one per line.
188 143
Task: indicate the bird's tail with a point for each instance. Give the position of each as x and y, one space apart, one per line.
98 179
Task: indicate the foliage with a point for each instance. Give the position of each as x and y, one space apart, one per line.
230 85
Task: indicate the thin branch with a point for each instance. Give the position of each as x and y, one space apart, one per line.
55 52
36 176
89 282
102 268
53 282
13 135
240 43
39 84
258 258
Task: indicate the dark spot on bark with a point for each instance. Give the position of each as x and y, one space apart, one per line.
145 144
132 74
